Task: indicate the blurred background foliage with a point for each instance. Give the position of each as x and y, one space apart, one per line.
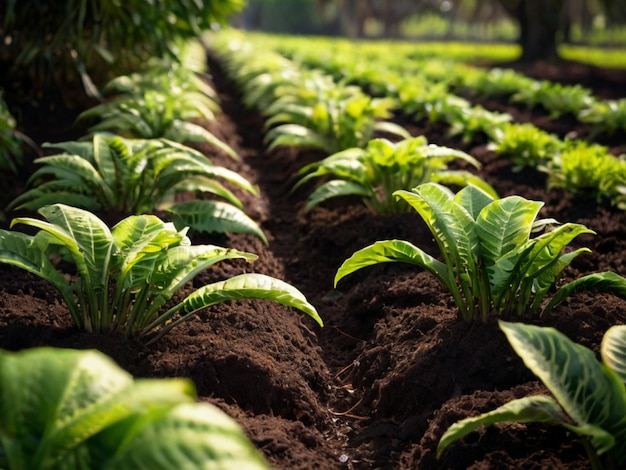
79 45
539 26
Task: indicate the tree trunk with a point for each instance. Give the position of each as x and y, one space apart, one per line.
539 22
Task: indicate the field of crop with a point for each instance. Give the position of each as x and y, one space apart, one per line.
400 357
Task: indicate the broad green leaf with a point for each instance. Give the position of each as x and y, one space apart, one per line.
214 216
613 350
503 228
31 254
473 199
57 389
143 241
243 286
608 282
524 410
335 188
189 436
180 265
450 224
294 135
106 162
392 251
78 409
184 131
88 239
589 392
210 186
250 286
392 128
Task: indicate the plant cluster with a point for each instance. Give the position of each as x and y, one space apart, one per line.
375 172
305 109
491 264
589 170
328 116
425 92
525 145
127 275
135 176
160 102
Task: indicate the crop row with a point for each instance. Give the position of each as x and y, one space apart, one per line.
388 74
127 275
579 166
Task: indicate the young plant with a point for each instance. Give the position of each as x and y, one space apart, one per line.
490 263
524 144
555 98
134 176
589 397
64 408
589 170
328 116
375 172
606 116
497 83
127 275
475 120
159 103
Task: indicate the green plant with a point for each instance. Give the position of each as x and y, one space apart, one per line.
328 116
490 263
63 408
473 120
497 83
375 172
524 144
605 116
556 98
127 275
158 103
134 176
589 396
589 170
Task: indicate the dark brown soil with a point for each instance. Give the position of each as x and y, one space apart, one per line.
392 368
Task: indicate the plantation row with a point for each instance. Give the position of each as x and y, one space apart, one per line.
408 68
129 271
490 260
579 166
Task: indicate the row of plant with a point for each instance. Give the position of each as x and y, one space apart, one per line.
134 160
495 258
76 409
127 274
305 108
453 76
579 166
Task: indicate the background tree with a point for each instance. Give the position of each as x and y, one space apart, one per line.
539 22
47 40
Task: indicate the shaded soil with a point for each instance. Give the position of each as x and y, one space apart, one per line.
392 368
